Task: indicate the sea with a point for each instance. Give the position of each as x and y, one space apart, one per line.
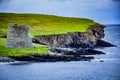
103 67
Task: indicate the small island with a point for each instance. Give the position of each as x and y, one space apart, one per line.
54 38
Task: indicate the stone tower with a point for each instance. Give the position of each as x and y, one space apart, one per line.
18 36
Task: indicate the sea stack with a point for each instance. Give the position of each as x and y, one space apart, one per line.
18 36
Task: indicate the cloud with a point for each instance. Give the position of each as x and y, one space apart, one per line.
55 5
99 10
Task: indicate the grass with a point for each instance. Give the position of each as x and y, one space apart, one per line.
38 49
45 24
40 24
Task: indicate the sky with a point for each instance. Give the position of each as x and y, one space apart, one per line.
102 11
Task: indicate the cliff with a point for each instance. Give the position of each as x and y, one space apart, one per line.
86 39
72 46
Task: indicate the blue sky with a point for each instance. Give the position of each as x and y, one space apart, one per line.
103 11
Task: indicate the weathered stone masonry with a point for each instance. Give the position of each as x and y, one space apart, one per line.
18 36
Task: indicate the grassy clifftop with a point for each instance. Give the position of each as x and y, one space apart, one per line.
41 24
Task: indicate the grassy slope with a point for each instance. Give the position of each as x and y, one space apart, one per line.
39 25
45 24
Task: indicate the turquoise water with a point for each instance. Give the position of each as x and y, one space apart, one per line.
109 69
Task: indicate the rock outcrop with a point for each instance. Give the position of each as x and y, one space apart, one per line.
18 36
6 59
53 58
86 39
101 43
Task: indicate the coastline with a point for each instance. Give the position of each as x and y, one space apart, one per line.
72 52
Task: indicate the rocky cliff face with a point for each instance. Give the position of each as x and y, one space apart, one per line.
86 39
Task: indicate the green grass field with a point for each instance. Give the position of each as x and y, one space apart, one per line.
37 49
39 24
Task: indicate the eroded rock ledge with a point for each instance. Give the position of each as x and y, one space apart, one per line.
89 39
75 44
53 58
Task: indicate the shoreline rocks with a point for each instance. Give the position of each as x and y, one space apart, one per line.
102 43
6 59
53 58
56 56
76 52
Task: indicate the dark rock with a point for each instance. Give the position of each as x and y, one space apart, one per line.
77 52
92 52
101 61
23 58
101 43
53 58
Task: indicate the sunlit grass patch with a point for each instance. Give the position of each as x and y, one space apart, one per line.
21 51
45 24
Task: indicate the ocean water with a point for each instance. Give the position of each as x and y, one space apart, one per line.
109 69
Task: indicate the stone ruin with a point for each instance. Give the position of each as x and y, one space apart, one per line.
18 36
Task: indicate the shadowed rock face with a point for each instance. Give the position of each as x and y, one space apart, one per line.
86 39
18 37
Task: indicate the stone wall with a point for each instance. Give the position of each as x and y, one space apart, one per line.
18 36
